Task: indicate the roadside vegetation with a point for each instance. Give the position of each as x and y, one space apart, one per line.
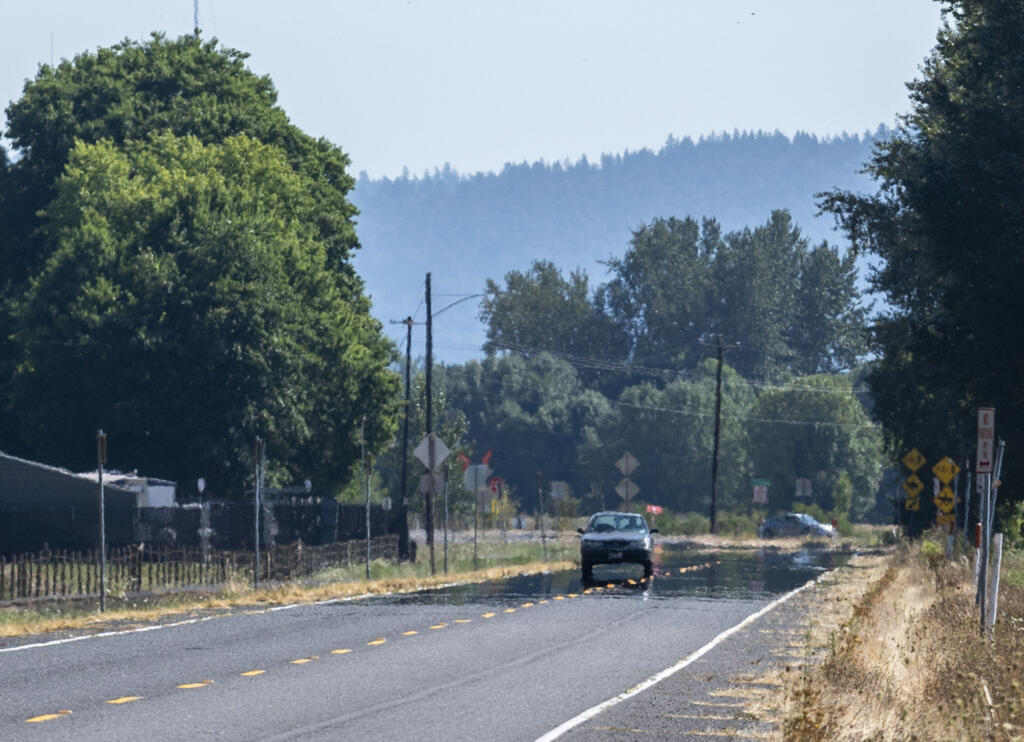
496 558
905 655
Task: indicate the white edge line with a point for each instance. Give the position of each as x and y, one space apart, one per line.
669 671
55 642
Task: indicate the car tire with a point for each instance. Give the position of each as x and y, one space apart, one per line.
588 571
768 533
648 569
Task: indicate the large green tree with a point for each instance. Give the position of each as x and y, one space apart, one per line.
670 430
541 311
532 413
180 275
947 223
814 427
791 307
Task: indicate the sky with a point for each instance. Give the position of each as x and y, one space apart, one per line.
472 83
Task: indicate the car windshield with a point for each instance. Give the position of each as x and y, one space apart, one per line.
604 522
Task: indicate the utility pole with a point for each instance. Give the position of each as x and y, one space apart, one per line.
401 514
540 515
429 509
258 477
366 479
720 346
101 459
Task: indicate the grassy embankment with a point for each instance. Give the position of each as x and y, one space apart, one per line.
904 657
495 559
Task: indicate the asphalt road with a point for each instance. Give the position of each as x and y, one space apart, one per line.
502 669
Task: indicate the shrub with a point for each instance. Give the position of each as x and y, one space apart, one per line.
690 524
737 524
933 554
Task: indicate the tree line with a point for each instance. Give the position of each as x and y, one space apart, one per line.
576 375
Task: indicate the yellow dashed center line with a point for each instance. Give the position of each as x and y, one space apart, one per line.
47 717
305 660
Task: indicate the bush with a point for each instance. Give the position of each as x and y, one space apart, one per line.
737 524
933 554
814 510
689 524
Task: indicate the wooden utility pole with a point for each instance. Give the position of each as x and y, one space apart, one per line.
720 346
401 520
101 460
429 509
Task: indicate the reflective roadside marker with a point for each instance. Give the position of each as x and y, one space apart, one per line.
47 717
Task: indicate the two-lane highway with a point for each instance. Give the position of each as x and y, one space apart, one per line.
451 667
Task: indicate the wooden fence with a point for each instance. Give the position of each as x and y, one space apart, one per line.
50 574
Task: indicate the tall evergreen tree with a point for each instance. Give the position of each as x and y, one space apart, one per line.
947 222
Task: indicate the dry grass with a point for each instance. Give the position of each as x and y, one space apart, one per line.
22 622
905 659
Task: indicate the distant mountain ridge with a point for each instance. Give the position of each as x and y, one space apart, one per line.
467 228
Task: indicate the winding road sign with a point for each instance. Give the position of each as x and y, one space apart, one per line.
945 470
913 460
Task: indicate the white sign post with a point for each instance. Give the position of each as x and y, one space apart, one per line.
986 437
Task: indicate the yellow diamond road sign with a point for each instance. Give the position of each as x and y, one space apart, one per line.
913 460
913 485
945 500
945 470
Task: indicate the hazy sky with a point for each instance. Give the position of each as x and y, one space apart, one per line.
477 83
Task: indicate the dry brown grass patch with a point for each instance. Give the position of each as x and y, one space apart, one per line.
907 662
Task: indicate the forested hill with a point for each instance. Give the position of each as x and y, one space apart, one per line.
467 228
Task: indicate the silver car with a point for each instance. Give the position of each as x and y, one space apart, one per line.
616 538
793 524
